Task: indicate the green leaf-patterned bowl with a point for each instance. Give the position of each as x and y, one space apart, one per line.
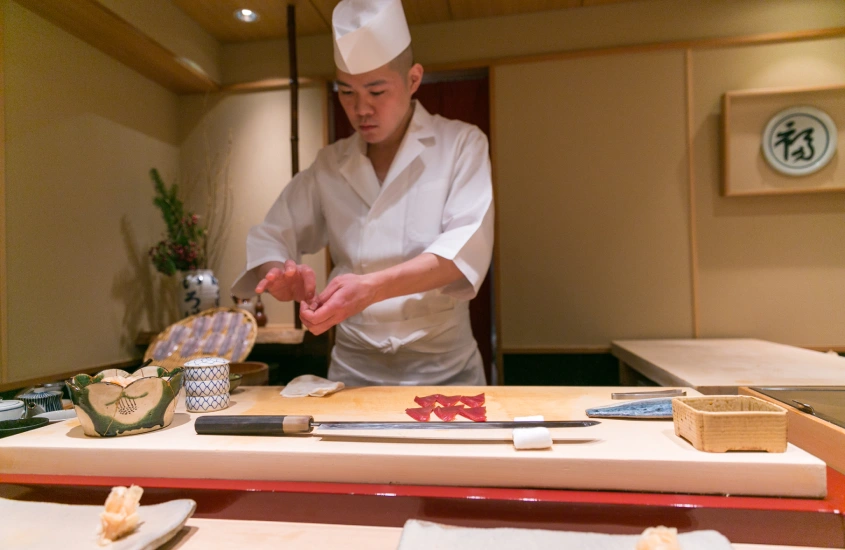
142 402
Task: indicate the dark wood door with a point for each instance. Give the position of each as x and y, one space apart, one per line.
467 99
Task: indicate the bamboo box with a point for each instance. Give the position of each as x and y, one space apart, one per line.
722 423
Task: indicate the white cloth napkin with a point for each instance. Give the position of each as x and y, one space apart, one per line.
424 535
310 385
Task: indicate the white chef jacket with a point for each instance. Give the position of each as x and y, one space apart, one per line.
437 197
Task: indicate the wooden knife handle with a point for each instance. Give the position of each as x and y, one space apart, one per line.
254 425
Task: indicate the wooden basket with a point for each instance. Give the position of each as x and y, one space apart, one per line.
721 423
218 332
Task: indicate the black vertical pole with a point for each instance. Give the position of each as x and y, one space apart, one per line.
294 91
294 115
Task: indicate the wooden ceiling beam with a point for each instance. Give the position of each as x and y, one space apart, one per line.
95 24
314 16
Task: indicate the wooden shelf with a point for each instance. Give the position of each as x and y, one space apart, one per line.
95 24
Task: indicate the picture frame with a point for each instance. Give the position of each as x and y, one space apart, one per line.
783 141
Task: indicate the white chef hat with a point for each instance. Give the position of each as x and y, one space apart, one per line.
368 34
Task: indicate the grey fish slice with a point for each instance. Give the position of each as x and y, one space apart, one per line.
659 408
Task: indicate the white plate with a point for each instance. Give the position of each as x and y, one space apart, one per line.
57 416
73 527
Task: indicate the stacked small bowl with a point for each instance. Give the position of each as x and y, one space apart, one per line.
206 384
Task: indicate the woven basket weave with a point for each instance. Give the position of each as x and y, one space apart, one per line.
218 332
721 423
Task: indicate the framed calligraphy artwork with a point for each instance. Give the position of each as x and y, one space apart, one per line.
785 141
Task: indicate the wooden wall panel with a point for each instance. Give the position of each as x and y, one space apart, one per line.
164 22
4 353
771 266
100 27
591 171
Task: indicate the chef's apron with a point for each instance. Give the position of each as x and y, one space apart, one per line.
437 349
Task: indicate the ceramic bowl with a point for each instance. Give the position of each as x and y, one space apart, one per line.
234 381
207 403
11 409
254 373
55 386
49 400
115 403
12 427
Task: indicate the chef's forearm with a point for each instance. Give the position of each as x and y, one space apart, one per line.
425 272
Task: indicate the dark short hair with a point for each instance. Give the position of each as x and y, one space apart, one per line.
403 62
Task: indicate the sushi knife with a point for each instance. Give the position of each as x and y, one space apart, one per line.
648 394
302 424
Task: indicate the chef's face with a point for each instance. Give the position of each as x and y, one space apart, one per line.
379 102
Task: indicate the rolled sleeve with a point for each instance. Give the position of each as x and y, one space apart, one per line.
468 228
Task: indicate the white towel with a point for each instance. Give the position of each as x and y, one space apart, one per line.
423 535
310 385
531 438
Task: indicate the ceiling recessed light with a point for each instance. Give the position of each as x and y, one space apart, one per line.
247 16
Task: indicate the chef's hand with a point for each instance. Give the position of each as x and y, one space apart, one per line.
288 281
345 296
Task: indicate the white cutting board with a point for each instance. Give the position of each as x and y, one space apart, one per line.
625 455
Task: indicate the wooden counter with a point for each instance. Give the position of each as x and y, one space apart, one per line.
617 455
823 439
797 522
245 483
207 534
720 366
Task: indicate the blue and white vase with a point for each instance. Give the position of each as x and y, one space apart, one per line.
199 291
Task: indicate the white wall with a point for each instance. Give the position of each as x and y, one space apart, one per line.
82 131
258 125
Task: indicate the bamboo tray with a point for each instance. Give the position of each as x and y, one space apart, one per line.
722 423
218 332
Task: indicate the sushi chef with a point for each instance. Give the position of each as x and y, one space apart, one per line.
406 207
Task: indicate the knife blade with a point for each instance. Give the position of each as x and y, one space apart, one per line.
302 424
648 394
504 425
